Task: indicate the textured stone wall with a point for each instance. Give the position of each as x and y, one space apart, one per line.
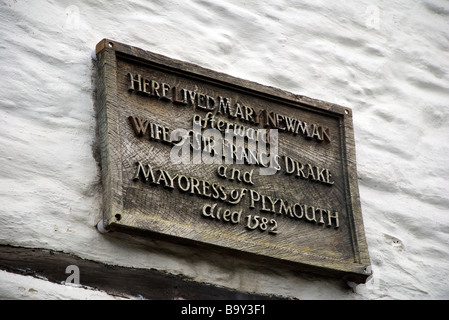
387 60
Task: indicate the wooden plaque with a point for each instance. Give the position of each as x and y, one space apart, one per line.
199 157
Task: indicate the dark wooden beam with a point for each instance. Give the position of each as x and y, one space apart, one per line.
115 280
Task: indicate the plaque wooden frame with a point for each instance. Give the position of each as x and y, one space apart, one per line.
343 253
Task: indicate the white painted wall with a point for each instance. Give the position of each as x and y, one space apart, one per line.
387 60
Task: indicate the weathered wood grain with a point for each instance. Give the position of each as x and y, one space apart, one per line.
322 231
115 280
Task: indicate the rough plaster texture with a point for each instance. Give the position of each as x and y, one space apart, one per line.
387 60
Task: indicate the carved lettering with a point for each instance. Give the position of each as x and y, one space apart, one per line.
245 153
222 106
226 215
307 171
266 203
133 81
139 125
196 157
